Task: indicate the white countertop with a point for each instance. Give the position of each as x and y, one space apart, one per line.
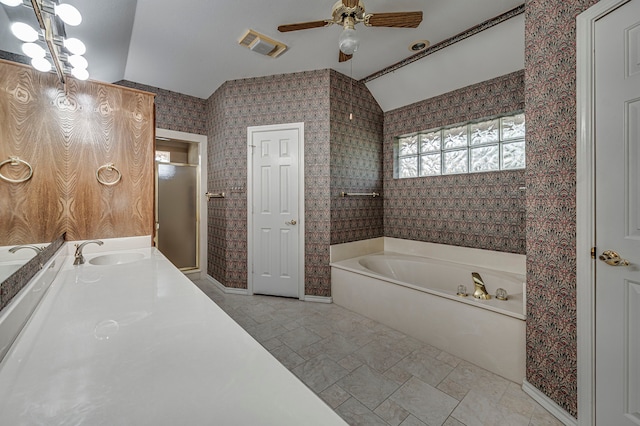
139 344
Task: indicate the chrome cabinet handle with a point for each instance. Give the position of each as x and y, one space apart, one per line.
612 258
291 222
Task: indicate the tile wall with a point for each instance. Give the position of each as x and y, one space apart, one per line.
480 210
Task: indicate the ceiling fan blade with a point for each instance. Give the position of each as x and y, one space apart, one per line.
303 26
350 3
343 57
394 19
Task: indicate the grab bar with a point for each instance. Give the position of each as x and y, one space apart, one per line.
360 194
211 195
15 161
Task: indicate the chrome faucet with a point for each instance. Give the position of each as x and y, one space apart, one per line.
26 246
79 258
480 291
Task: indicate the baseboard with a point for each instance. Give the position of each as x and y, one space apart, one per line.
226 290
548 404
318 299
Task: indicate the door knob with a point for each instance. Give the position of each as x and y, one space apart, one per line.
612 258
291 222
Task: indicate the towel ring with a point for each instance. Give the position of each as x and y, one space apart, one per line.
108 167
15 161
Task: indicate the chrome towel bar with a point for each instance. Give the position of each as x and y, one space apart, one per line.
211 195
360 194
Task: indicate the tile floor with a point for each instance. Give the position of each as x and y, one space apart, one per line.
373 375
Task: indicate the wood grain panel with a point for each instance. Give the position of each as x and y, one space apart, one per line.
31 211
69 134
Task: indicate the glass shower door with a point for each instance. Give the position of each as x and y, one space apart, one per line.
177 230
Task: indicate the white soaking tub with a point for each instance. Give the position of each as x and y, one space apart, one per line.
418 296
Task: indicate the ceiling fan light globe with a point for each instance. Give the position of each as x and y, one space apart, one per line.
348 41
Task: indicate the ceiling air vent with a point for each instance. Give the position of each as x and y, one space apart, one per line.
262 44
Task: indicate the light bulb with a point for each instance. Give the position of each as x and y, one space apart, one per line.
41 64
75 46
69 14
11 2
78 61
80 73
33 50
24 32
348 41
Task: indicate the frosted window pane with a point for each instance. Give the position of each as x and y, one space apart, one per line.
455 137
430 165
485 158
430 142
513 155
455 161
408 167
408 145
513 127
485 132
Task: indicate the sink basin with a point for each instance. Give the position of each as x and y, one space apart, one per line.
116 258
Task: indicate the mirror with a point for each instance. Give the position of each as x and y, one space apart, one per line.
13 257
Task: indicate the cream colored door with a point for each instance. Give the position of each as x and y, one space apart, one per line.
617 297
275 211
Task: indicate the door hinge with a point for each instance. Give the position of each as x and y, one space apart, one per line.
593 252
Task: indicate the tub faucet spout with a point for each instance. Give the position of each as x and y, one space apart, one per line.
480 291
79 258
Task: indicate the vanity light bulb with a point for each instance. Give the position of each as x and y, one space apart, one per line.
41 64
80 73
24 32
69 14
33 50
11 2
75 46
78 61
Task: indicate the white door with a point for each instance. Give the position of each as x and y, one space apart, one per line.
617 141
275 210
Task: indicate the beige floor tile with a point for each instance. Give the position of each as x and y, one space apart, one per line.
334 396
356 414
368 386
299 338
412 421
319 373
425 402
391 412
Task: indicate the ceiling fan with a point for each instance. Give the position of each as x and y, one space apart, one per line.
348 13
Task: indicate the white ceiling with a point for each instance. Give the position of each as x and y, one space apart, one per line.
191 46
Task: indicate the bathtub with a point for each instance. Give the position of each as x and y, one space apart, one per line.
418 296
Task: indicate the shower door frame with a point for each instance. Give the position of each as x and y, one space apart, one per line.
201 140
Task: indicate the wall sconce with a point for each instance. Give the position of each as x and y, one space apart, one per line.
65 53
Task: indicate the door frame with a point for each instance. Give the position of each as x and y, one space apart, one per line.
585 204
301 201
201 140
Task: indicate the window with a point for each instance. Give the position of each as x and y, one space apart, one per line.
478 146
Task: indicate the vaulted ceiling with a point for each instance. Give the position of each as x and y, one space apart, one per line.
191 46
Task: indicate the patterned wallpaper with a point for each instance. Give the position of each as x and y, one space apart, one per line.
356 161
238 104
175 111
480 210
550 88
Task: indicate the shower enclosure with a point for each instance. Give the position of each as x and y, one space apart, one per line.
177 206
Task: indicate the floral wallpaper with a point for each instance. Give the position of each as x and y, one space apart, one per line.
356 161
175 111
236 105
550 97
480 210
